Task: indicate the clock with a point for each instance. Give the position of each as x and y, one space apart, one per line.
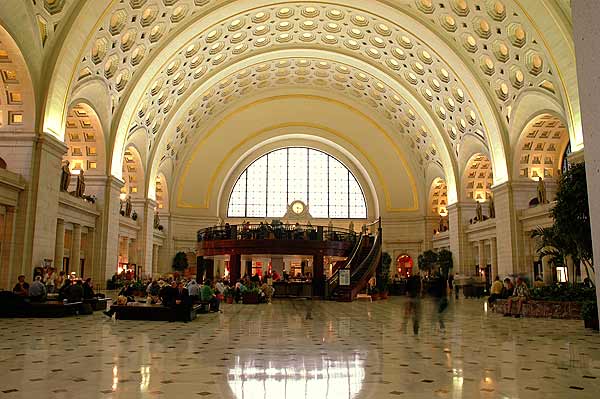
297 207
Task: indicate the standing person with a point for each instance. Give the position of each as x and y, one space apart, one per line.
49 280
59 280
22 287
456 285
439 292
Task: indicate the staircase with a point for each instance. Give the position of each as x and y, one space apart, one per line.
362 263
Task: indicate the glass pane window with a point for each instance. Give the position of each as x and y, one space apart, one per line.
272 182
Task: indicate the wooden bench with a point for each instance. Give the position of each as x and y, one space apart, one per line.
142 311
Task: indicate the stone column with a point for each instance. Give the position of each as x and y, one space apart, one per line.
45 189
125 250
75 260
494 258
59 246
586 31
8 258
481 254
235 268
507 229
147 235
318 283
154 260
458 244
108 257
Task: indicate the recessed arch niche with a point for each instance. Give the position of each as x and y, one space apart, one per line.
85 141
133 174
478 178
541 148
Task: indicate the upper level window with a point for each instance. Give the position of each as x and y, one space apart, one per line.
275 180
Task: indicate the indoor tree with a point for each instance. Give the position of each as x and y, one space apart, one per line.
570 235
180 262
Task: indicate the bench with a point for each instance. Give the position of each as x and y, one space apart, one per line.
548 309
97 303
142 311
51 309
203 306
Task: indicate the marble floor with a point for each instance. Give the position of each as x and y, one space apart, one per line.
303 349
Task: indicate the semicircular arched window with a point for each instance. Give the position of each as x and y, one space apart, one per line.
281 177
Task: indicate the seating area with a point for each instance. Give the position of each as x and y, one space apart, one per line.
547 309
15 306
143 311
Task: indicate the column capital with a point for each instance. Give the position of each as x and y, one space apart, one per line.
114 182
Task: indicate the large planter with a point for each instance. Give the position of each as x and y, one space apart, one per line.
229 300
384 295
375 297
250 298
591 323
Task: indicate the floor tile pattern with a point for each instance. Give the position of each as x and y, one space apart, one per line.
397 348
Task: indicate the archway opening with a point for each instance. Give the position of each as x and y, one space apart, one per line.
404 266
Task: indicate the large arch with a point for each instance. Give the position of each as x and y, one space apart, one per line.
129 109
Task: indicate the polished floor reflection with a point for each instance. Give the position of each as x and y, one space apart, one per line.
303 349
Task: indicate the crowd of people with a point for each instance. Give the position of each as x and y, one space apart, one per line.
70 288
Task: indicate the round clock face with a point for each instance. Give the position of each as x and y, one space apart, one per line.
297 207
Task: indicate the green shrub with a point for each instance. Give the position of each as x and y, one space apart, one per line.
589 310
566 292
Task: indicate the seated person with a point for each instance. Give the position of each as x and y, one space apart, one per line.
220 289
127 291
180 303
153 292
75 292
268 292
64 289
495 290
167 293
193 289
240 288
521 294
22 287
508 288
37 290
88 289
208 295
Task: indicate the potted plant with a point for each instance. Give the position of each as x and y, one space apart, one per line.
251 296
229 294
589 314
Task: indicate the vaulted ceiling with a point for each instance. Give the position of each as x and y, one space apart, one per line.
439 75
